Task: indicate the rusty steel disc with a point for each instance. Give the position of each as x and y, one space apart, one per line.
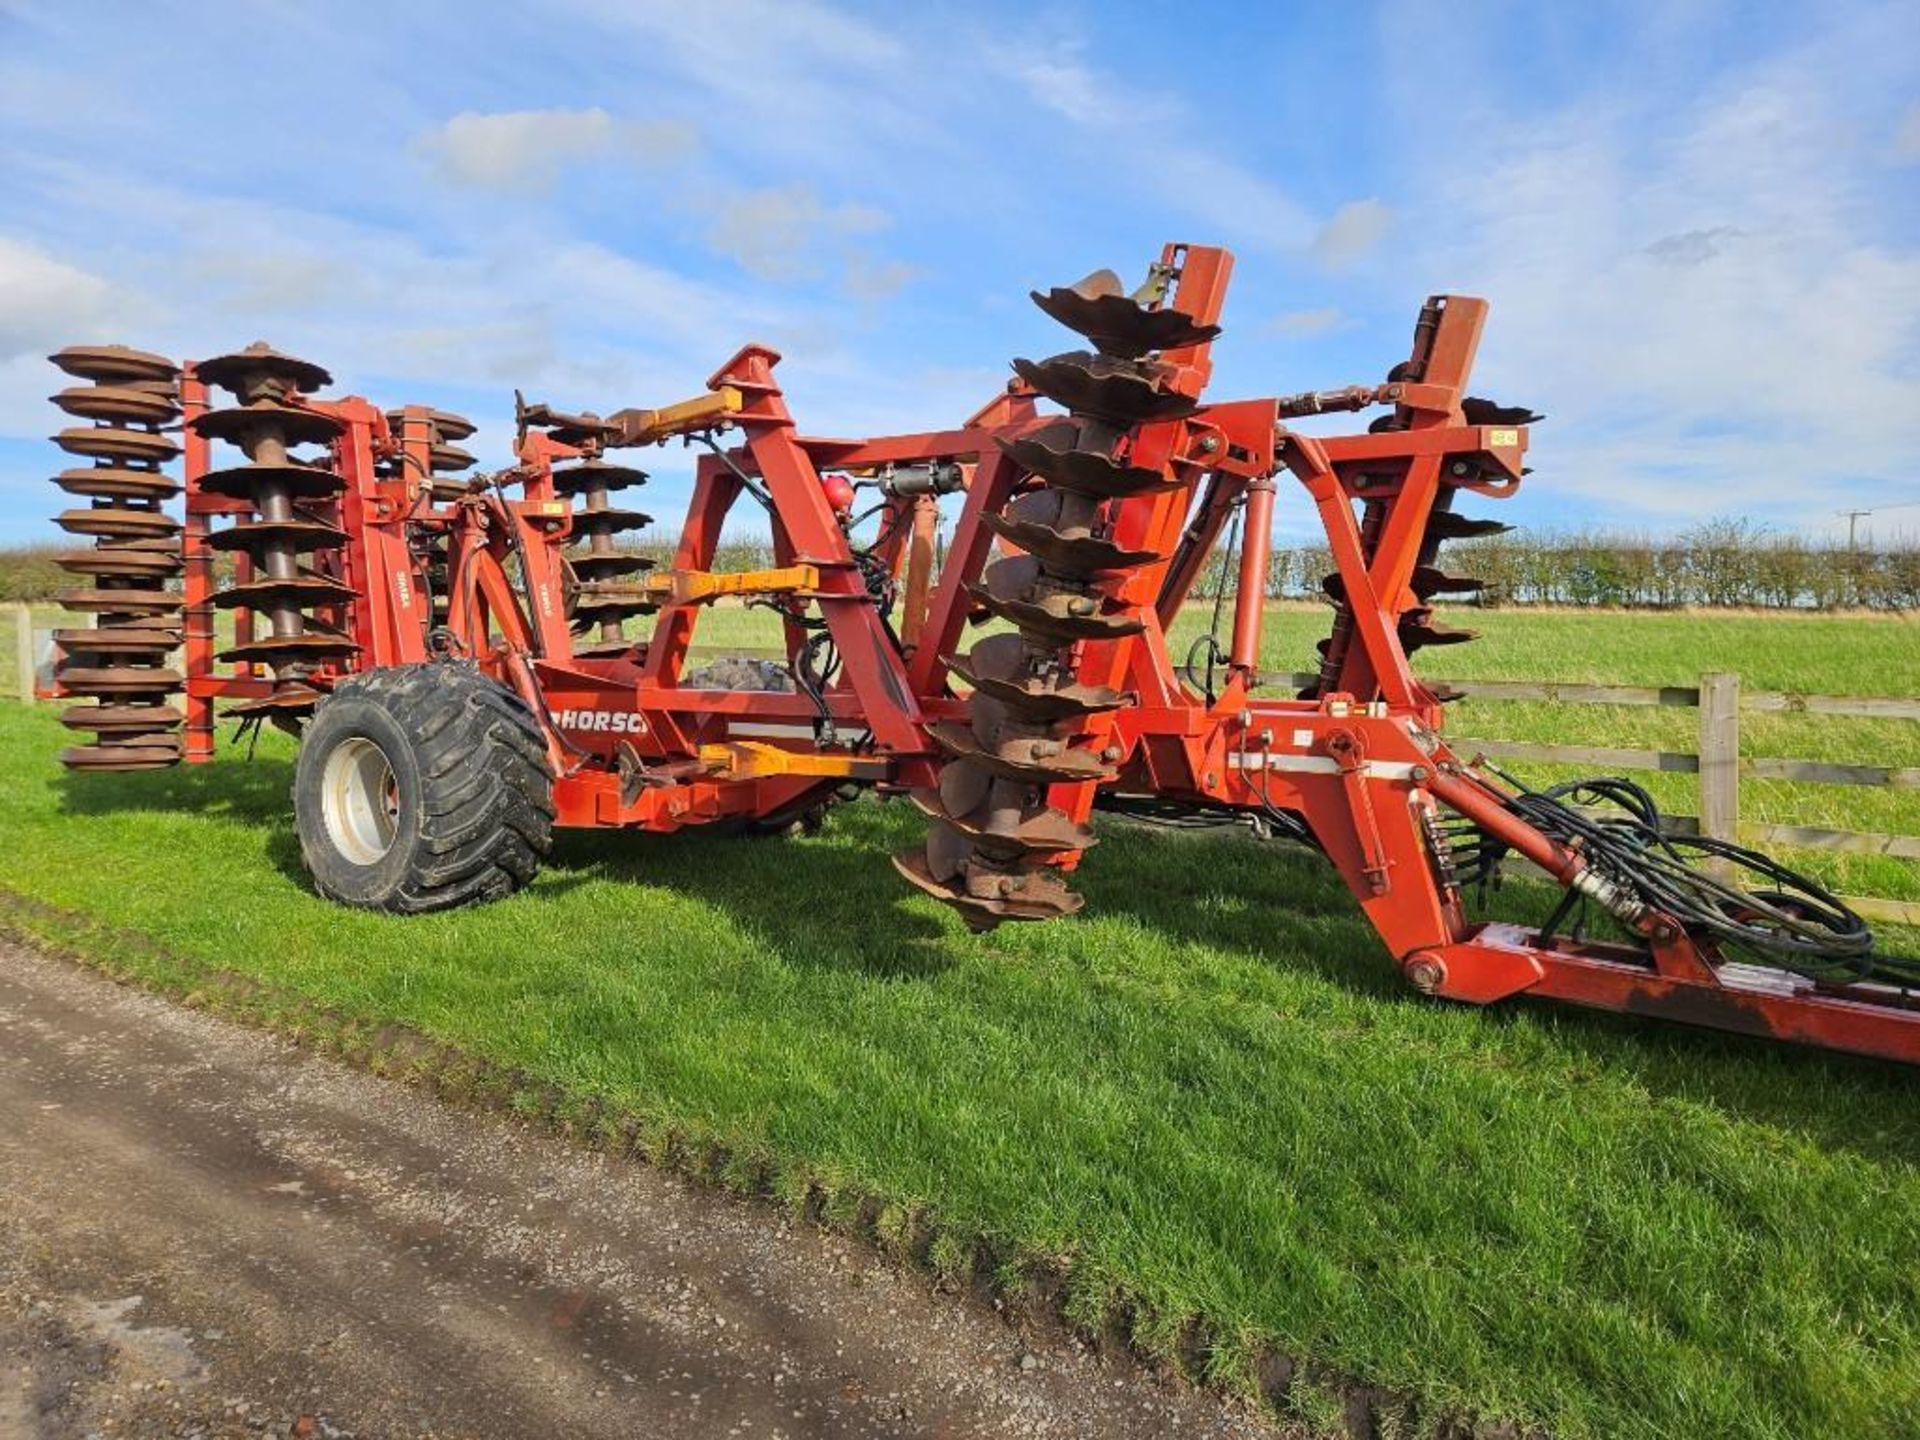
1042 524
446 425
310 648
444 458
143 752
117 482
290 699
249 482
1042 896
596 474
1016 589
133 639
997 666
1446 525
1100 309
1418 630
130 601
123 719
117 402
116 365
1034 760
295 537
610 521
107 442
1086 472
121 561
591 567
1125 392
117 523
266 593
260 365
244 424
120 680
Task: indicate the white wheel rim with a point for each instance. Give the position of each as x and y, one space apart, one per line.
360 800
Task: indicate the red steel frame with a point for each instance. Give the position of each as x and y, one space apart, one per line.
1364 764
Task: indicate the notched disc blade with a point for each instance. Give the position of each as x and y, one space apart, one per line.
1033 522
1031 761
610 521
1035 834
1012 589
1100 309
1446 525
998 666
1418 630
1049 454
590 567
1040 895
1477 411
596 474
1126 392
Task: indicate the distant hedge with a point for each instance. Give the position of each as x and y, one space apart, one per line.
1722 563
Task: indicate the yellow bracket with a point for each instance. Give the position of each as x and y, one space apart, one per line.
644 427
697 587
753 760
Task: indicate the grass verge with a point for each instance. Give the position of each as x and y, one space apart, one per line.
1210 1107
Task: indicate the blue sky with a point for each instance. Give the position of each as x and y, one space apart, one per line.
1698 223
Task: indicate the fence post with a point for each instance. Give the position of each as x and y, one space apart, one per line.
23 637
1720 755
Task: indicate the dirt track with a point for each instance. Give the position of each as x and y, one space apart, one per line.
205 1231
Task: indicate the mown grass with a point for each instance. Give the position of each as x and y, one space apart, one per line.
1210 1097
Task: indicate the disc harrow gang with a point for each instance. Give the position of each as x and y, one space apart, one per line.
599 609
295 514
446 460
996 843
122 661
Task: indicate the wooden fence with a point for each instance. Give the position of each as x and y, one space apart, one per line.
1718 700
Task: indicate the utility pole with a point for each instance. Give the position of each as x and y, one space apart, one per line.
1853 519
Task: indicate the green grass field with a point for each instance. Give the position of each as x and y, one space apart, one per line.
1210 1097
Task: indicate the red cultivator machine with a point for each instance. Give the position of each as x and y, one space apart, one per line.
463 657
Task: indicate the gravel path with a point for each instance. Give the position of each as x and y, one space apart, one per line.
205 1231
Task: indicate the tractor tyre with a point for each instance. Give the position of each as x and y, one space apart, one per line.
421 788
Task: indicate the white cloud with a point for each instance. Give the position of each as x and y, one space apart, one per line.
1354 229
526 149
771 231
1698 297
1299 324
44 302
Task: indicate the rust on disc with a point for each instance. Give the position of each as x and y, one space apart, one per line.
116 365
